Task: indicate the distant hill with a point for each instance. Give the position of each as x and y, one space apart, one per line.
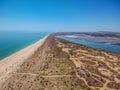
107 32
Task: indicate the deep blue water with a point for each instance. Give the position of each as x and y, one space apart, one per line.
10 42
104 46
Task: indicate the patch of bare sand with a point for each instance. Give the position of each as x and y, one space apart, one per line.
12 63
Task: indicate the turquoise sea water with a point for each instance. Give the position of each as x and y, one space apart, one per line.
10 42
104 46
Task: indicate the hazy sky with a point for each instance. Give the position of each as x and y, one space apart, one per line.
60 15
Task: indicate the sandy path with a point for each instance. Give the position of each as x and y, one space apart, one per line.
45 76
12 63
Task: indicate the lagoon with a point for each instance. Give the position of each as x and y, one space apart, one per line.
103 46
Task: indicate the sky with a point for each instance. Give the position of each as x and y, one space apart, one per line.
60 15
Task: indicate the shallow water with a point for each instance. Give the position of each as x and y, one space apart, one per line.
104 46
10 42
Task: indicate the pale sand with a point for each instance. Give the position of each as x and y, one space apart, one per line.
11 63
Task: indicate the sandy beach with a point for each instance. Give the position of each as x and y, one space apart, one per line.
11 63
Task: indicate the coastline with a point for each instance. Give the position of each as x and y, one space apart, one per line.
69 64
11 63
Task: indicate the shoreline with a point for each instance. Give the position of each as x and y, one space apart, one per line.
11 63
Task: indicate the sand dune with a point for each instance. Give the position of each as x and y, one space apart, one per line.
12 63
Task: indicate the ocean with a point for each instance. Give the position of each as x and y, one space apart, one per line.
11 42
103 46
